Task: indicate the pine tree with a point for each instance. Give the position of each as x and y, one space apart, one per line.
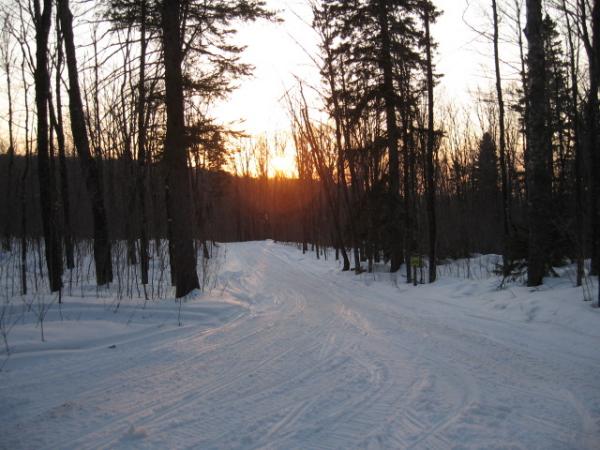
383 47
487 193
199 64
486 171
539 158
183 258
559 125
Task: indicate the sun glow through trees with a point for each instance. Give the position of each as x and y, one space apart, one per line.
283 166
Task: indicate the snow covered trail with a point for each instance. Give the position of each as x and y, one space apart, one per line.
323 359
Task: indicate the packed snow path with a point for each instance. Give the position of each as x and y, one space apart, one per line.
319 359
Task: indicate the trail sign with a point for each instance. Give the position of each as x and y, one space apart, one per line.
416 261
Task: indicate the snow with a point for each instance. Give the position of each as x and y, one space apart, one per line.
289 352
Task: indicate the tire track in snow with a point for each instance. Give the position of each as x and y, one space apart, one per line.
322 361
191 395
380 403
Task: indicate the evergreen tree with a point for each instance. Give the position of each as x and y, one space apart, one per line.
539 158
487 194
559 128
382 46
486 170
200 64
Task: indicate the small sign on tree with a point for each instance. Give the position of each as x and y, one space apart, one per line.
416 262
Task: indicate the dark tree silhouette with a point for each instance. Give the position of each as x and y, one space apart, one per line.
502 130
42 20
539 158
93 180
183 257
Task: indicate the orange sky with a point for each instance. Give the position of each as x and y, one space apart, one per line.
279 53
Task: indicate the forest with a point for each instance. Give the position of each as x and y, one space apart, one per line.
110 139
299 224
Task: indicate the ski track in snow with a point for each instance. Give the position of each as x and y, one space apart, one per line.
316 359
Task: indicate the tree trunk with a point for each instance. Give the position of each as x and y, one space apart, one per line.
102 256
174 159
579 237
45 175
538 165
408 233
23 181
503 172
430 163
591 114
342 186
141 156
592 46
6 242
594 132
395 237
23 202
57 123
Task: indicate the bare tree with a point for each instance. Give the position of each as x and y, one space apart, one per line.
576 124
56 119
42 21
503 170
102 253
6 59
431 147
141 142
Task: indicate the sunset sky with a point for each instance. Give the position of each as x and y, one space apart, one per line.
281 53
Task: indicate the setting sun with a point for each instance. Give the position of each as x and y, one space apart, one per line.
283 165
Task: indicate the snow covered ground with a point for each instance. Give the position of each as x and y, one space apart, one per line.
288 352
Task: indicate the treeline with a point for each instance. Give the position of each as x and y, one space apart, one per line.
385 170
405 177
168 60
228 207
